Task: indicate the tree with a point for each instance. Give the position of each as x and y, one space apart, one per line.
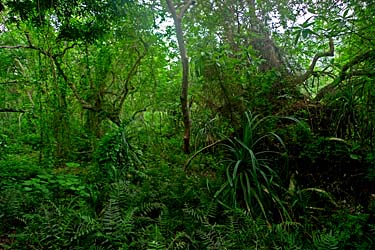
177 18
86 64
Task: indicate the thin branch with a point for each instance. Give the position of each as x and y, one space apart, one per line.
362 73
71 85
187 163
13 82
172 9
14 47
24 47
130 75
31 46
185 8
11 110
323 73
65 50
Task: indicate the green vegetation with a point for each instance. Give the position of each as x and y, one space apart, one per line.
171 124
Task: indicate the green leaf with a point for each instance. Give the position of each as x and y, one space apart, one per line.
229 178
298 35
72 164
354 156
311 10
306 32
236 169
307 24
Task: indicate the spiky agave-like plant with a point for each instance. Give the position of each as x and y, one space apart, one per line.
251 182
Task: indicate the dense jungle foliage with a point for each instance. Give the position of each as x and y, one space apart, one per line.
181 124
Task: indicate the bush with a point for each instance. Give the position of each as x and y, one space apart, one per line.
116 156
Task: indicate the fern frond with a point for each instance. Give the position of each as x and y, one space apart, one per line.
112 217
322 193
86 226
326 241
152 209
154 245
196 213
212 210
164 223
180 241
208 238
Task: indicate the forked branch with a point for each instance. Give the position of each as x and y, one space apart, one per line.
309 72
177 18
185 8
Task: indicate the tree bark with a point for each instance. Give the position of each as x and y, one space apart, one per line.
177 18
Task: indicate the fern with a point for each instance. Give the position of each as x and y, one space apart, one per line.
212 210
202 214
233 225
244 232
111 223
214 238
326 241
148 208
154 245
180 241
284 235
120 192
59 225
10 207
86 227
208 238
196 213
111 217
287 226
164 224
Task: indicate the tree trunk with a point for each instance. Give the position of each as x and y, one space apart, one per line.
177 18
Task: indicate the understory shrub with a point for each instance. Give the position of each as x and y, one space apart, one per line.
116 156
252 181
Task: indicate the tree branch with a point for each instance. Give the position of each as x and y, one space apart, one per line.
65 50
185 8
11 110
370 54
130 75
12 82
71 85
172 9
310 71
14 47
187 163
137 112
30 46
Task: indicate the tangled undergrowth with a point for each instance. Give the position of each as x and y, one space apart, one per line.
128 200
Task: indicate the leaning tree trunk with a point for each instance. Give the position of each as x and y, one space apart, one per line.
177 18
